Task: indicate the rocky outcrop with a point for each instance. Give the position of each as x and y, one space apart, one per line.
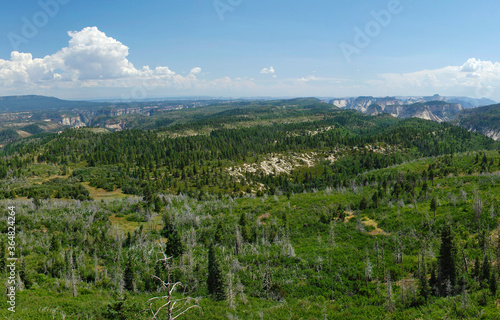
74 121
123 111
342 103
435 110
15 116
116 126
493 134
362 104
438 111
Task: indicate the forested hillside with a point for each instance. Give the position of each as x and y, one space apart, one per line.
265 210
485 120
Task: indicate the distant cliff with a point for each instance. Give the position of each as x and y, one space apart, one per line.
436 110
485 120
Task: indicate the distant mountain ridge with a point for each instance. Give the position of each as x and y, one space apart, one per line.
363 102
435 108
438 111
31 114
41 103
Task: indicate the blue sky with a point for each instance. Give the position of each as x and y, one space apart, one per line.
259 48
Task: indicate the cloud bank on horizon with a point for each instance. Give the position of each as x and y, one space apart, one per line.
474 78
93 62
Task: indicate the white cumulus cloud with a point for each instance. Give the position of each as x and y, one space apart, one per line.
93 55
269 70
308 78
195 70
91 59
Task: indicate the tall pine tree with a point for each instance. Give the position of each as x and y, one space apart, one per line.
215 283
485 274
174 248
425 288
128 276
447 274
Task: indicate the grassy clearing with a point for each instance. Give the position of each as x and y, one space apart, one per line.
42 180
130 226
101 194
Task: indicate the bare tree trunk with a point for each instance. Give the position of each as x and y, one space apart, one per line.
383 264
239 240
230 291
73 278
390 304
73 283
332 234
96 269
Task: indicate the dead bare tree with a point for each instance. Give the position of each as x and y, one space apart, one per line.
390 303
175 307
478 208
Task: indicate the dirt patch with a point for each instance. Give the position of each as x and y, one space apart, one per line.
264 216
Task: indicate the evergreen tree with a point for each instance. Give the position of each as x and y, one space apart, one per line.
128 241
434 206
3 172
128 276
36 202
493 283
158 204
363 204
174 248
55 245
446 279
433 281
215 282
476 272
341 212
375 199
485 275
23 275
431 176
219 233
425 289
245 230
